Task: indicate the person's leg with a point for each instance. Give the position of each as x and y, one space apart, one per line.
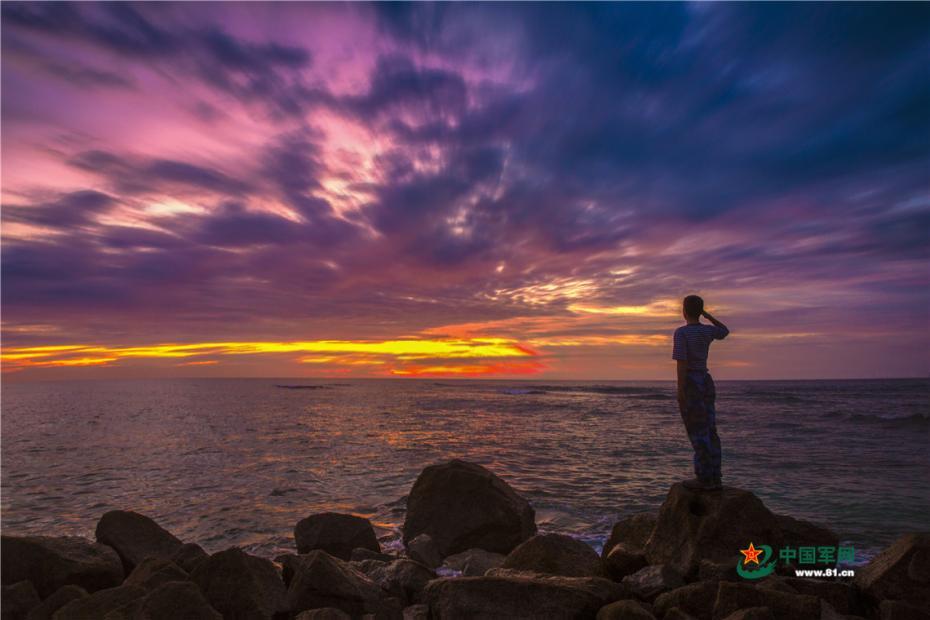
714 439
695 418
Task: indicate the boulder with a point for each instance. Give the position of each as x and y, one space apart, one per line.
555 554
17 600
321 580
99 604
335 533
188 556
633 531
899 610
717 571
153 572
841 595
422 549
135 537
696 599
463 505
403 579
898 573
474 562
239 585
360 553
732 597
799 533
61 597
624 610
649 582
419 611
752 613
51 562
176 599
622 561
677 614
520 595
324 613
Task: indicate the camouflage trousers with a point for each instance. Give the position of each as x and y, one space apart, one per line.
700 418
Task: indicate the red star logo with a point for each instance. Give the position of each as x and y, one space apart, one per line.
752 554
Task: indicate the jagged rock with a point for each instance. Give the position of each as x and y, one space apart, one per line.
717 571
699 525
798 533
463 505
419 611
752 613
324 613
895 574
775 583
320 580
555 554
335 533
474 562
696 599
61 597
424 550
135 537
624 610
520 595
403 579
99 604
677 614
369 567
189 556
18 600
153 572
732 597
239 585
622 561
633 531
51 562
176 599
649 582
899 610
841 596
360 553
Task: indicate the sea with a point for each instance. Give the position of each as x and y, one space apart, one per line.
225 462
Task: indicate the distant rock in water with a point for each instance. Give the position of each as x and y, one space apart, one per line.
52 562
135 537
462 505
336 533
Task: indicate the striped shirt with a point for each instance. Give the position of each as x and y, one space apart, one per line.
692 343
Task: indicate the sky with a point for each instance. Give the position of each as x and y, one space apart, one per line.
463 189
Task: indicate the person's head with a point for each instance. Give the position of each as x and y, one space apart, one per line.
692 307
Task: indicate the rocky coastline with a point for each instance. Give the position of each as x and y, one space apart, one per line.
471 550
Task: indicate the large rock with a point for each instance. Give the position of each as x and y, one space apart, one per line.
177 600
520 595
335 533
649 582
52 562
732 597
189 556
900 572
403 579
841 595
135 537
697 599
61 597
17 600
359 554
474 562
463 505
752 613
239 585
423 549
633 531
325 613
698 525
624 610
320 580
899 610
99 604
622 561
154 572
555 554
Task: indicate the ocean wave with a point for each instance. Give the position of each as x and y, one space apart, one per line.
915 420
598 389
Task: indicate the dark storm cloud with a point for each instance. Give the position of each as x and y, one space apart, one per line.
66 212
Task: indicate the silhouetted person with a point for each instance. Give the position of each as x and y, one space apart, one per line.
696 391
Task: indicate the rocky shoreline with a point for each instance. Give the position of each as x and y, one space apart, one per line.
471 550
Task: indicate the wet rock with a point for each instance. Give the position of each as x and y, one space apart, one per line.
403 579
335 533
325 613
320 580
424 550
696 599
752 613
17 600
135 537
176 599
625 610
462 505
732 597
359 554
239 585
474 562
622 561
51 562
153 572
99 604
189 556
649 582
61 597
520 595
633 531
898 573
419 611
555 554
899 610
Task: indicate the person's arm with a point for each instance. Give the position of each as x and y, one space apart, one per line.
723 330
682 378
